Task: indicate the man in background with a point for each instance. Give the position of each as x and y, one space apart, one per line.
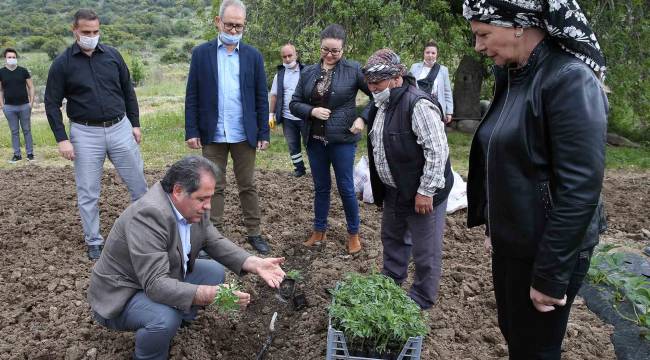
103 111
16 102
284 84
226 112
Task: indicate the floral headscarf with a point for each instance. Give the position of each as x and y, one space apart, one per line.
563 20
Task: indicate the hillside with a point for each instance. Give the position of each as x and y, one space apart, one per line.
33 25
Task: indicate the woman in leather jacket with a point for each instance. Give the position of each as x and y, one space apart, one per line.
325 98
537 162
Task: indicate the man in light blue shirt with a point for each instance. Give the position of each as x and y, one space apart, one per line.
226 112
184 232
284 85
230 120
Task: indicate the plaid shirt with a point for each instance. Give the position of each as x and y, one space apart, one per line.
430 133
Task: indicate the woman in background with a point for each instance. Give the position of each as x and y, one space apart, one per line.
433 78
325 98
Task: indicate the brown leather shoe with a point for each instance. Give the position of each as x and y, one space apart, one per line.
315 237
354 243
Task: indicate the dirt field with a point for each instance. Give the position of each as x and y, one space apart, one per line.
44 274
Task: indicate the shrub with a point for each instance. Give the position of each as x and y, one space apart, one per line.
34 42
162 43
53 47
173 56
188 46
375 314
137 70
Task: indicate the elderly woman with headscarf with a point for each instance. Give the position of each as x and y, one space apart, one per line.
410 174
325 98
537 162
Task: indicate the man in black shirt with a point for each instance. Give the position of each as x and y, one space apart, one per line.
103 110
16 100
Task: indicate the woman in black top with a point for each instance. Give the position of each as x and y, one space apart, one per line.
325 98
16 101
537 163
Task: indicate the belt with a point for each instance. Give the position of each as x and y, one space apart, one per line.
107 123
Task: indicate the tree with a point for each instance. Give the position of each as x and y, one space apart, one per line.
34 42
53 47
137 70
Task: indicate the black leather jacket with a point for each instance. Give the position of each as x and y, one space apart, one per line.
346 82
545 165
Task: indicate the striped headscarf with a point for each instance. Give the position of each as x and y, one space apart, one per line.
563 20
383 64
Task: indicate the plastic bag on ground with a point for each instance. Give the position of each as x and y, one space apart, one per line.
361 176
458 195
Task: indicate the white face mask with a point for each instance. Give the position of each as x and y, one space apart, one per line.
290 65
230 39
87 42
12 61
381 97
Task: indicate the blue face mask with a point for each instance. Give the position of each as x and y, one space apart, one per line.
229 39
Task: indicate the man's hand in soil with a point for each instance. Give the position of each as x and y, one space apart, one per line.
205 295
544 303
268 269
66 149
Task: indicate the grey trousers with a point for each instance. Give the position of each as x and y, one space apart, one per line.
18 117
403 232
91 146
156 324
243 159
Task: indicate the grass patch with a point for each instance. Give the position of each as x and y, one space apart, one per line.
164 142
628 158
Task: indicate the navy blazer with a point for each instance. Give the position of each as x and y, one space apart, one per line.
201 95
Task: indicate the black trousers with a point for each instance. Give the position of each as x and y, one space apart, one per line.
531 334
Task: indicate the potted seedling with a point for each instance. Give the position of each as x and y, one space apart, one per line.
288 285
225 301
372 317
287 290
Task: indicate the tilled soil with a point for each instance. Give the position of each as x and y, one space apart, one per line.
44 274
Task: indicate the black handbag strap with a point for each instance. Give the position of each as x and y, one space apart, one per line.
426 84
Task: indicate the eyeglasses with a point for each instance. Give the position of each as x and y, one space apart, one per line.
230 26
334 52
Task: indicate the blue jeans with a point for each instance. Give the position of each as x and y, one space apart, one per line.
341 158
156 324
18 117
293 130
91 146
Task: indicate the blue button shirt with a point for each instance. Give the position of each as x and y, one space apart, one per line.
184 232
230 120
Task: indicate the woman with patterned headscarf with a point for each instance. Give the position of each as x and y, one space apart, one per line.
410 173
537 162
